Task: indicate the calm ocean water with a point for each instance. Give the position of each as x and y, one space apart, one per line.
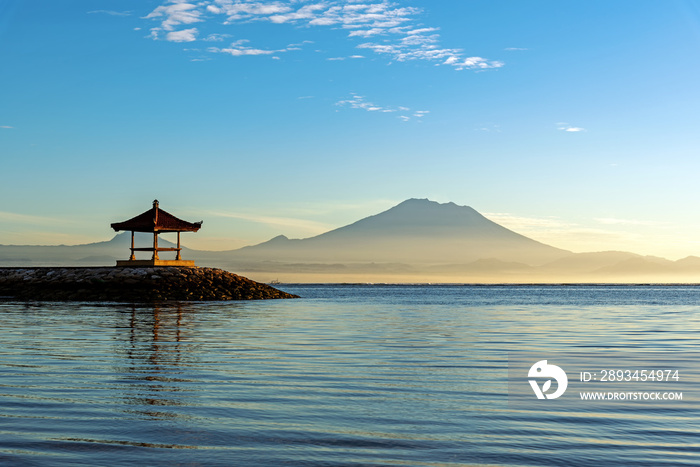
347 375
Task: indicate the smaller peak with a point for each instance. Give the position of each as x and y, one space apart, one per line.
280 239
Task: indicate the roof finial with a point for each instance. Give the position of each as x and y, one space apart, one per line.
155 203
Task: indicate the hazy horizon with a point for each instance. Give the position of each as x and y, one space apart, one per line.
417 241
374 253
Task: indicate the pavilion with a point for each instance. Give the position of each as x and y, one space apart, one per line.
157 221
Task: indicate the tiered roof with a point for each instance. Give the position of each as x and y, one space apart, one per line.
157 220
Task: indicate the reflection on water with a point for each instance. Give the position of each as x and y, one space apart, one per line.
153 358
379 375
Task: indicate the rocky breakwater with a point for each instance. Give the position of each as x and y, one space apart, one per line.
131 284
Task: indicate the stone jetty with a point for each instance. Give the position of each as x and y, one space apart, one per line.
138 284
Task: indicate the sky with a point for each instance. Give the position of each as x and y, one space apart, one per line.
575 123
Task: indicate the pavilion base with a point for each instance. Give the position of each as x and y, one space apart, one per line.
141 263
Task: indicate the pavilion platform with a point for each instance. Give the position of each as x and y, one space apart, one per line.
147 263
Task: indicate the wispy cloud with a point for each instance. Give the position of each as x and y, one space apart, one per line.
110 12
305 225
333 59
349 210
515 49
599 234
6 127
615 221
239 48
569 128
216 37
183 35
240 51
384 27
563 234
14 218
173 14
359 102
527 223
489 128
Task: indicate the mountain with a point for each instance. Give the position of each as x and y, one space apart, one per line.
417 231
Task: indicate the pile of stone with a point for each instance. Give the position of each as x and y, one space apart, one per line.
131 284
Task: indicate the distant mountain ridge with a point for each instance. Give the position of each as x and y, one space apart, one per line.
417 240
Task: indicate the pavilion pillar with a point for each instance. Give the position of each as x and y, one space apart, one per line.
178 258
132 257
155 245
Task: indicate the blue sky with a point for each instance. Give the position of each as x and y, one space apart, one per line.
572 122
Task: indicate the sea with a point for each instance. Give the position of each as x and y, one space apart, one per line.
357 375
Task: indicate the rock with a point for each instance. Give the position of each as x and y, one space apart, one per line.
131 284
